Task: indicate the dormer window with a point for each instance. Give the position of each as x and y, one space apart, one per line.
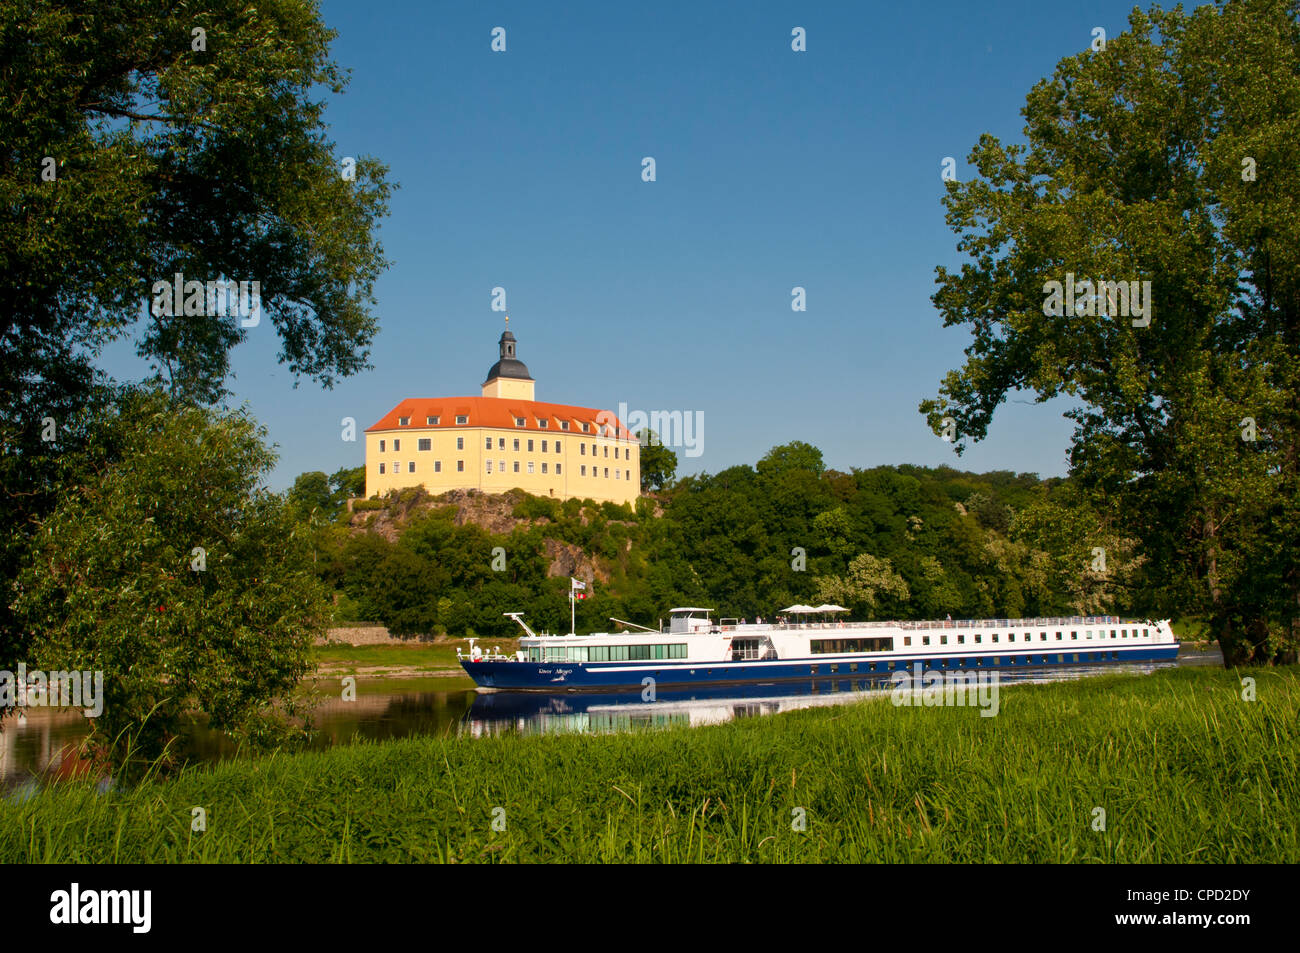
543 422
403 421
462 418
564 425
431 421
520 422
586 428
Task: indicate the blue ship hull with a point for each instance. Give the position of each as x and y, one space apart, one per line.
622 676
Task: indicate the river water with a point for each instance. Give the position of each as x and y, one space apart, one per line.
41 745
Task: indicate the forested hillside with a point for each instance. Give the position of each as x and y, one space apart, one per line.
888 542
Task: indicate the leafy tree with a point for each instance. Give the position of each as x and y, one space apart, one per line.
348 483
795 455
311 492
871 585
1169 157
658 463
165 567
169 152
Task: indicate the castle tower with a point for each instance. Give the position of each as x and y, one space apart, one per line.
508 377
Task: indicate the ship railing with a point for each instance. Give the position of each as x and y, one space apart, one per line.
1037 621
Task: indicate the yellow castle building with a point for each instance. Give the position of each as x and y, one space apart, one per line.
503 440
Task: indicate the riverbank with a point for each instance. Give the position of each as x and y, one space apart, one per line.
1183 768
399 660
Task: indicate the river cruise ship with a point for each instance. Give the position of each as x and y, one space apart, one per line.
807 642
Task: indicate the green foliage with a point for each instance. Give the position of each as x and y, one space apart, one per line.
658 463
1188 425
164 566
1190 775
727 541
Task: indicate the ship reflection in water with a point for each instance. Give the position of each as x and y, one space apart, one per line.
45 746
542 713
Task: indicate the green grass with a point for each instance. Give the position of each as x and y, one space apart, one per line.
425 656
1185 769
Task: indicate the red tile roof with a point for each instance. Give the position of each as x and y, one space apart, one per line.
498 412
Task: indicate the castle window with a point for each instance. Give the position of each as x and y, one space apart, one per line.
381 446
617 474
431 421
584 470
410 466
593 449
462 418
543 467
460 466
543 446
606 473
501 443
519 421
425 444
488 445
437 466
381 468
516 466
460 443
557 446
582 449
403 421
530 446
489 466
397 445
501 465
557 469
627 453
607 451
530 466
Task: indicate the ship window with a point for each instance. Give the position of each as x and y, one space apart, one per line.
925 640
1011 636
1112 633
853 666
1144 633
943 640
1042 636
961 640
978 638
1058 636
907 639
834 669
1074 635
995 636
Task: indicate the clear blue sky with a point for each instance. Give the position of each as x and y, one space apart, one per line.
775 169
